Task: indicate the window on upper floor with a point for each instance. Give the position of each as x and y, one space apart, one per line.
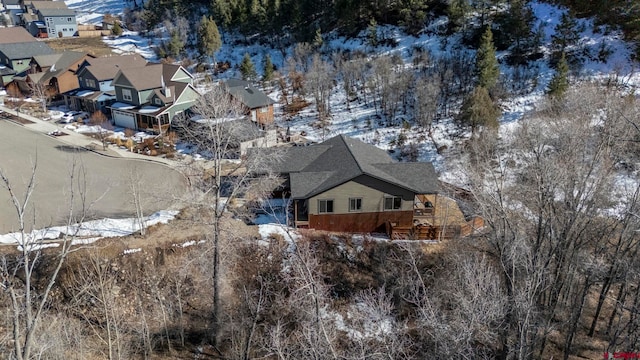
325 206
126 94
264 110
69 19
158 101
355 204
392 202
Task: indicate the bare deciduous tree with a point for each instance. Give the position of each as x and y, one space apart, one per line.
221 182
18 274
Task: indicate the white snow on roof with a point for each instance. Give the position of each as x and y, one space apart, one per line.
85 92
149 109
122 106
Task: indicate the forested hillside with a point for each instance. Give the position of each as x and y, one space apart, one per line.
529 110
301 19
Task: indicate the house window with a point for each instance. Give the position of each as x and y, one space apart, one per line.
91 83
126 94
158 101
355 204
263 110
392 202
69 20
325 206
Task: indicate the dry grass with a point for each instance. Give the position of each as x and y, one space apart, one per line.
91 45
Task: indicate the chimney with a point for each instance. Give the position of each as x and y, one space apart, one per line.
165 89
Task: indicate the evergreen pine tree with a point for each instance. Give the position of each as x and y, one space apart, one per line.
247 70
487 67
567 35
317 40
208 38
267 70
175 46
560 81
479 110
457 12
116 30
372 33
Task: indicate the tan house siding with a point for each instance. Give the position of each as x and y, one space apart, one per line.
372 198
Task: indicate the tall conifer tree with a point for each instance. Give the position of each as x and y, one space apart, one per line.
487 67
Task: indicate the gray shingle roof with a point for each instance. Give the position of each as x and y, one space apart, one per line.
106 67
57 12
47 4
318 168
25 50
247 94
62 63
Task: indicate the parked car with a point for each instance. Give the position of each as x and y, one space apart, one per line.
73 116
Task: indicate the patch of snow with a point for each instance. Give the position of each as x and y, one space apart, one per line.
131 251
89 231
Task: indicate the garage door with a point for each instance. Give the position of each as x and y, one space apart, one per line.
123 119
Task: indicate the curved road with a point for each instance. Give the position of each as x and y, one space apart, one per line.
108 181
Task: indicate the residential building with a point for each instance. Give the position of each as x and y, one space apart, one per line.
150 97
56 72
256 103
95 76
17 47
13 10
345 185
242 134
51 19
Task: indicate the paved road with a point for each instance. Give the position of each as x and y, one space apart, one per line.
108 180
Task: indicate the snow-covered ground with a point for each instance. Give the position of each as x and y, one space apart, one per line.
86 232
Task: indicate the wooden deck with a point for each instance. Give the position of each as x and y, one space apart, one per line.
442 220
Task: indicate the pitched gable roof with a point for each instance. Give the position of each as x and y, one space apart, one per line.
15 34
25 50
247 94
150 76
106 67
47 4
57 12
62 63
318 168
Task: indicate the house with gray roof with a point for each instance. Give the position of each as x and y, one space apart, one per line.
51 19
17 57
150 97
256 103
346 185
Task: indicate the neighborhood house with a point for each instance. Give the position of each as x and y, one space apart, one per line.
149 97
95 76
346 185
256 104
51 19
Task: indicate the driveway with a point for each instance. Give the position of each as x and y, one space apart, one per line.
105 183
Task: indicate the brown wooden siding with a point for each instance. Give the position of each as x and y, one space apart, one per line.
360 222
265 118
